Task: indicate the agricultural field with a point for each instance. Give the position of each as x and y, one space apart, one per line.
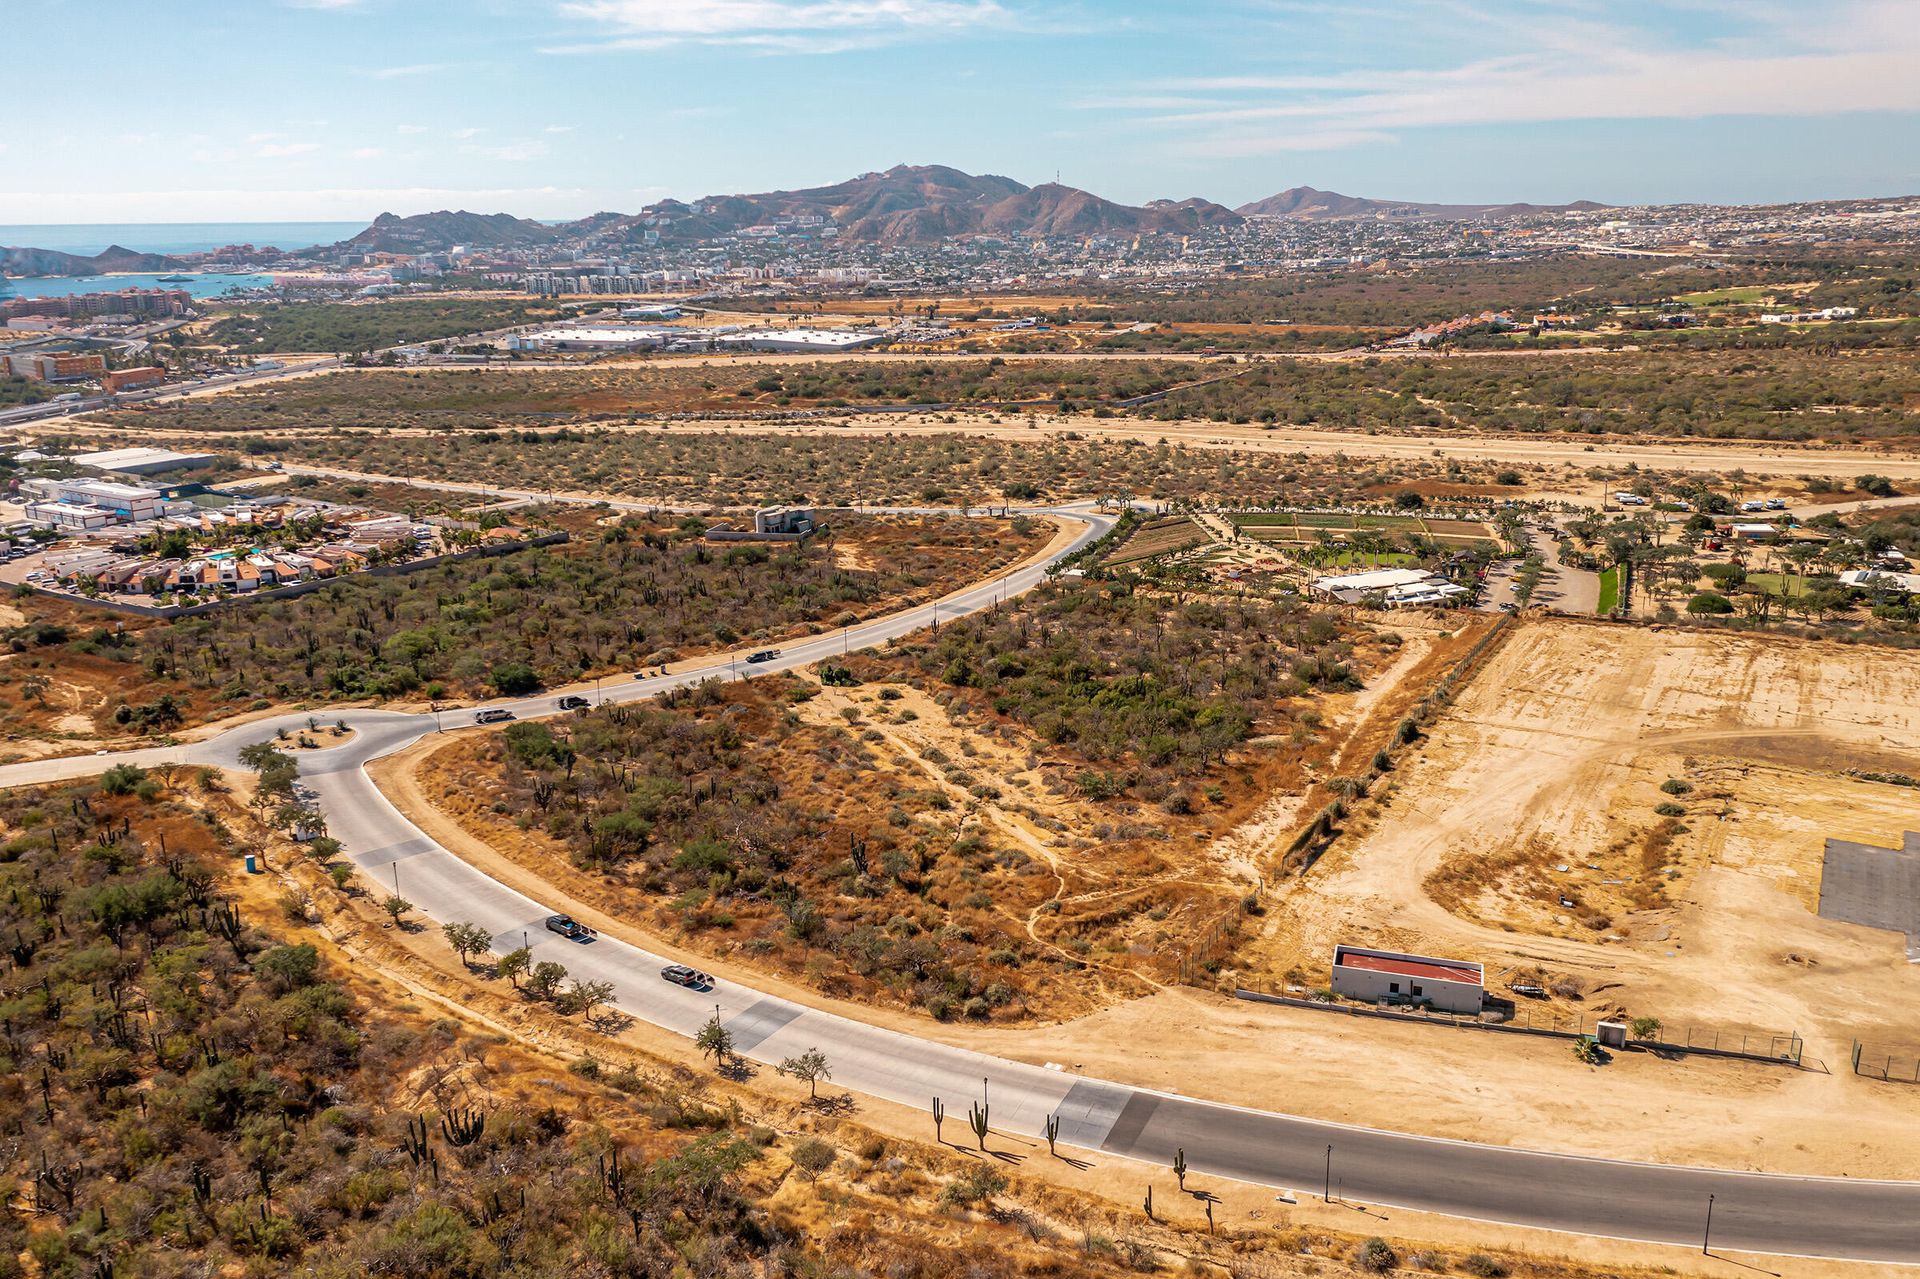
1154 538
1028 816
626 593
1635 819
1760 394
1315 528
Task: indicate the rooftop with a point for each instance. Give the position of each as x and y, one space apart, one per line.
1381 961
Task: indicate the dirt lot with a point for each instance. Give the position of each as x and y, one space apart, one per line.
1525 834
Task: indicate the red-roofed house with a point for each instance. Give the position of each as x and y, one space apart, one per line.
1450 985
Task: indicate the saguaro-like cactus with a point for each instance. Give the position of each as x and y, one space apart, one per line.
463 1127
415 1143
1180 1167
1149 1203
977 1120
1053 1131
939 1117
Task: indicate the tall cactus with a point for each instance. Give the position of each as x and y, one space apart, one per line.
939 1117
463 1127
415 1143
1149 1202
977 1120
1053 1131
1180 1167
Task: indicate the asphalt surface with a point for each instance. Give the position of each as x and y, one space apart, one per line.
1857 1219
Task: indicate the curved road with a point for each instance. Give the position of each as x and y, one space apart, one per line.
1855 1219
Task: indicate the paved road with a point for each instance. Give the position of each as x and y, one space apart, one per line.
1838 1217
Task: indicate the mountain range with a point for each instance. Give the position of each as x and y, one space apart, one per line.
907 204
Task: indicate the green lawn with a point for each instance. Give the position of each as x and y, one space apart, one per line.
1744 294
1609 591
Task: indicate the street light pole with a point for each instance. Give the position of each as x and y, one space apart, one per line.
1706 1240
1326 1192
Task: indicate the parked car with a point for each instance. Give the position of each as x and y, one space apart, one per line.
764 655
691 978
570 928
572 702
492 715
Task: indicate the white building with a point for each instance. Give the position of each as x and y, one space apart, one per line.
1396 587
1879 579
585 338
1449 985
804 341
123 501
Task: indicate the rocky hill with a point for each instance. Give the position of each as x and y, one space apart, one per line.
110 260
432 232
1310 203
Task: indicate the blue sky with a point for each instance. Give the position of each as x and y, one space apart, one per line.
262 109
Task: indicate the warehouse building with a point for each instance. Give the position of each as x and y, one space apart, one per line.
140 461
804 341
1385 976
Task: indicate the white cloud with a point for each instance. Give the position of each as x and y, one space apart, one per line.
469 132
1558 68
285 150
406 72
777 26
558 128
367 153
410 128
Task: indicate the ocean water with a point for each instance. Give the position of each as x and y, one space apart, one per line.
87 239
56 286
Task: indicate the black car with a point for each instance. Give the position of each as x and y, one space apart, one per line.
764 655
569 928
572 702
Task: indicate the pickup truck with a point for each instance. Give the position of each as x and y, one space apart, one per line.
764 655
492 715
572 702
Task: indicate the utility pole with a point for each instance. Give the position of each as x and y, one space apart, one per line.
1326 1192
1706 1240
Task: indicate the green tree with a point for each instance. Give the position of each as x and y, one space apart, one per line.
467 939
811 1066
715 1041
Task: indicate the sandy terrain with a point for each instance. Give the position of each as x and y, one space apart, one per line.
1525 834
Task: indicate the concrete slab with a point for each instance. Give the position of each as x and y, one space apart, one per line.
1877 887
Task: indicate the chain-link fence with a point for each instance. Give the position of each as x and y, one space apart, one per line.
1875 1064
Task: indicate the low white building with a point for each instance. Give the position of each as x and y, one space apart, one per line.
1396 587
803 341
1387 976
1880 579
